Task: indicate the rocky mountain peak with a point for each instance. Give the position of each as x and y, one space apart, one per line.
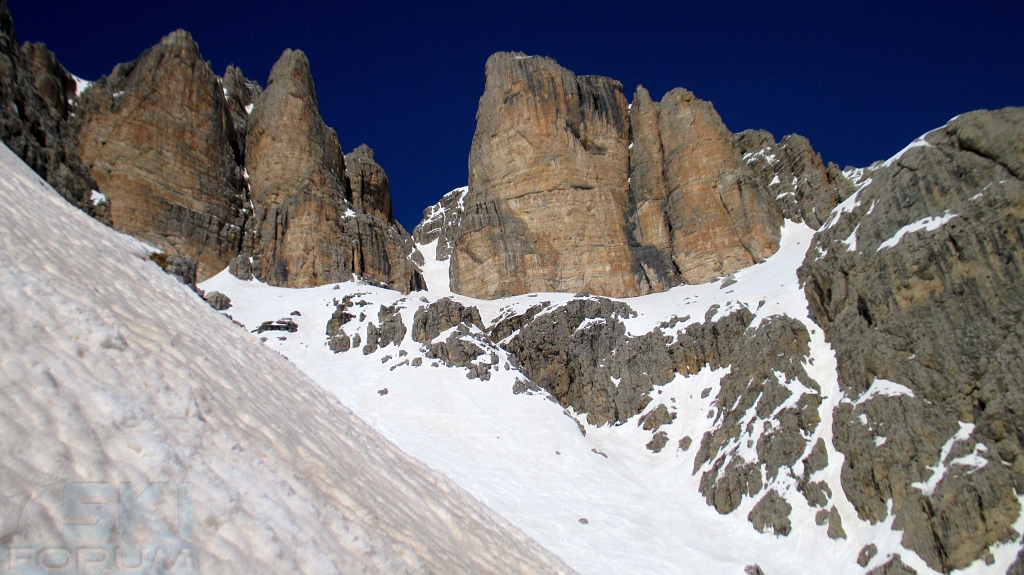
292 72
181 38
310 227
369 189
657 192
255 180
186 199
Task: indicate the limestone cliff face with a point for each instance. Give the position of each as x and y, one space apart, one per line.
305 230
721 219
917 280
33 118
54 84
548 173
648 194
570 189
225 172
159 140
368 184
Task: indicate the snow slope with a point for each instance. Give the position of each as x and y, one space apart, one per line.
601 501
114 374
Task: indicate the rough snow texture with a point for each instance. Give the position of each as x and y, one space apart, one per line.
113 372
656 481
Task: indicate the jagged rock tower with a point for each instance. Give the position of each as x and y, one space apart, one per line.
219 170
571 189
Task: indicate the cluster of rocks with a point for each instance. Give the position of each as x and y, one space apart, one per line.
580 354
466 344
284 324
658 193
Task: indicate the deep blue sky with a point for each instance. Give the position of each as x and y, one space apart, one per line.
859 79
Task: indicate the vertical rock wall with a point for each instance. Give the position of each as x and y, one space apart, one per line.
222 171
572 190
159 140
548 175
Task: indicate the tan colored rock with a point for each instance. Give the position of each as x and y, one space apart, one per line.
547 200
649 220
721 219
571 190
158 139
368 184
240 93
306 230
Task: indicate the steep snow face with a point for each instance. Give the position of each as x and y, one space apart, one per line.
601 500
132 414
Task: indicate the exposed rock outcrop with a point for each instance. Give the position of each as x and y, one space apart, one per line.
53 83
441 222
574 352
917 281
572 190
766 366
217 300
368 184
648 195
442 315
722 220
240 93
33 114
306 232
465 343
159 140
771 514
548 174
804 189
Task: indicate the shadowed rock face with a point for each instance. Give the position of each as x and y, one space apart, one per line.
368 184
306 230
53 83
240 93
159 140
920 283
804 189
33 118
648 216
571 190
